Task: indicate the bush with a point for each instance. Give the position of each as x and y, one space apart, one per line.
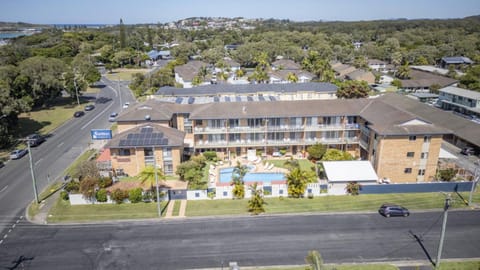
210 155
105 182
119 195
135 195
101 195
64 195
72 186
283 152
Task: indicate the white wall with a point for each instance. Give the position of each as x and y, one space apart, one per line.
77 199
197 194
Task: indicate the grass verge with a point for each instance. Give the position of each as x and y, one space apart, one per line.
176 208
304 163
34 208
85 156
467 265
124 74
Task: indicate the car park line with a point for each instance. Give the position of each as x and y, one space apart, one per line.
4 188
38 161
60 144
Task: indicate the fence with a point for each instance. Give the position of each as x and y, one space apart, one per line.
417 187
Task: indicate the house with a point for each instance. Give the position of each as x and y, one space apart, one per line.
377 65
184 74
155 55
422 81
456 61
339 173
341 69
282 76
361 75
464 101
285 64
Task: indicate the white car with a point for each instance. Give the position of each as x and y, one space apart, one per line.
126 105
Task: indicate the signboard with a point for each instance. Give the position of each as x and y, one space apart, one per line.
101 134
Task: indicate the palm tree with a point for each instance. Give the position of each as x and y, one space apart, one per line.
256 202
297 183
292 77
147 176
237 180
404 71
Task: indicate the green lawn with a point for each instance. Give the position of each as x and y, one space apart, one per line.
467 265
62 211
304 163
124 74
176 208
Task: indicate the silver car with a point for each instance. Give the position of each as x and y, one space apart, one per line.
19 153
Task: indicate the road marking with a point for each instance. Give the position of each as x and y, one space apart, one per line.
60 144
4 188
97 116
9 231
5 236
13 226
1 241
38 161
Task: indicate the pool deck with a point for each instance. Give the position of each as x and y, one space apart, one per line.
260 166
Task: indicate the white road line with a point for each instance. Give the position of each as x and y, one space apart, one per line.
38 161
9 231
1 241
5 236
4 188
60 144
13 226
97 116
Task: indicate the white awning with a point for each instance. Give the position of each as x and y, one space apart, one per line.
347 171
445 154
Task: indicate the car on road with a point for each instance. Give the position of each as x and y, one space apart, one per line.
393 210
468 151
89 107
125 106
35 139
78 114
19 153
112 117
2 164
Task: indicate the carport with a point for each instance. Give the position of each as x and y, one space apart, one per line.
340 173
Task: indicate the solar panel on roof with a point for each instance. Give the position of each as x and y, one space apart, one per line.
249 98
191 100
179 100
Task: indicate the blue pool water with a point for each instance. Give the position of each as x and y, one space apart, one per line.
226 176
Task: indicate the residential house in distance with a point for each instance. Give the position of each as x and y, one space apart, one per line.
283 68
361 75
285 64
376 65
422 81
464 101
456 61
341 70
184 74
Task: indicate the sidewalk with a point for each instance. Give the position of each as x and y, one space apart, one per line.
171 205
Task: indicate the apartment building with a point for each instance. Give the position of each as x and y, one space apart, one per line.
460 100
401 146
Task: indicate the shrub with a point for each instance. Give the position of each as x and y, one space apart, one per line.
135 195
105 182
283 152
72 186
101 195
353 188
119 195
64 195
210 155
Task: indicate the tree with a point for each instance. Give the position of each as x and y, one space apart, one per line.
88 186
403 71
297 181
86 169
123 41
353 89
291 164
101 195
135 195
397 83
471 79
336 155
256 202
238 174
314 260
447 174
119 195
316 151
192 172
292 77
147 176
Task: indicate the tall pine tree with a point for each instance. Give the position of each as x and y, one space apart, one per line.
122 34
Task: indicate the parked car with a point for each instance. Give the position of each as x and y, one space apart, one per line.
78 114
112 117
2 164
19 153
393 210
125 106
35 139
89 107
468 151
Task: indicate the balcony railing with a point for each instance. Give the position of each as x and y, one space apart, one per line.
279 128
283 142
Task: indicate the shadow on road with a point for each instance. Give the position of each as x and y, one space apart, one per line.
420 242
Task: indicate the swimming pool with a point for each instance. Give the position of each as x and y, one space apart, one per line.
226 176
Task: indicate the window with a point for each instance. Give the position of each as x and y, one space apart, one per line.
421 172
412 138
225 194
123 152
167 152
198 122
424 155
410 154
197 195
407 170
427 138
280 191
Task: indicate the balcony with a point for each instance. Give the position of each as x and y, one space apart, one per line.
282 142
278 128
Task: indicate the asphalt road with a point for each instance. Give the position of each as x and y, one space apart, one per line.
51 158
250 241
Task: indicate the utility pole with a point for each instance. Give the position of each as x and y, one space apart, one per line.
34 182
75 85
156 182
444 227
476 177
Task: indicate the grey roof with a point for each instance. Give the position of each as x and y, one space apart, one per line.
424 95
156 110
461 127
218 89
422 79
461 92
286 64
189 70
457 60
147 136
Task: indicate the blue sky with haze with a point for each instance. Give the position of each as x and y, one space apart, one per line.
151 11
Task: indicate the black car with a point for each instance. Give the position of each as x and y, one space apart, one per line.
35 139
393 210
89 107
78 114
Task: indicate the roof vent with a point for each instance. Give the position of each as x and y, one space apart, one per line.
147 117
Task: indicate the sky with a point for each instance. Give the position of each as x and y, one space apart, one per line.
162 11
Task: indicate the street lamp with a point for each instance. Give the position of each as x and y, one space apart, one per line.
75 85
34 182
156 182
